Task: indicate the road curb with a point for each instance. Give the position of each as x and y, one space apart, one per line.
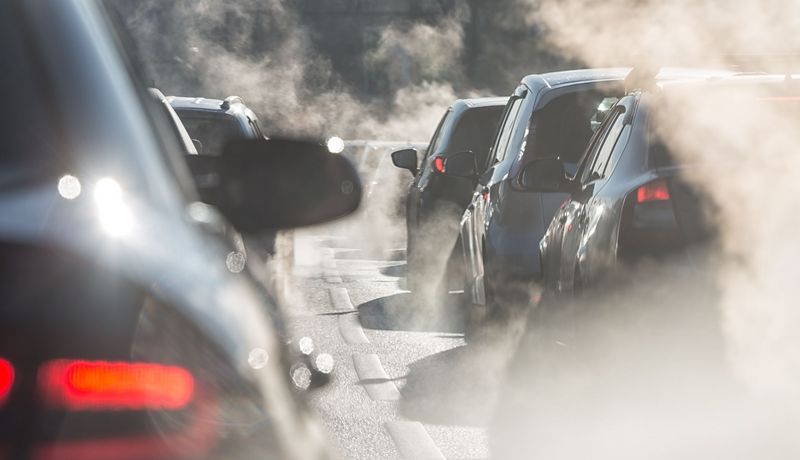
374 379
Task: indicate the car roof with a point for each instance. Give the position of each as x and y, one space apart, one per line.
231 105
568 77
483 102
462 106
553 80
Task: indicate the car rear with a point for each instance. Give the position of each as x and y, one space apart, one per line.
676 210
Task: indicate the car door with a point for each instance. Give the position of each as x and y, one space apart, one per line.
579 213
473 222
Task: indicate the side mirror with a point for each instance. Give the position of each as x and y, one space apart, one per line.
463 164
278 184
406 159
546 175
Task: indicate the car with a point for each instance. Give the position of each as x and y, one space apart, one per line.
436 201
655 268
125 330
630 199
213 122
547 115
551 115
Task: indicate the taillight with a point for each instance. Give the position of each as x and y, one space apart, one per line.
438 165
100 385
654 191
6 379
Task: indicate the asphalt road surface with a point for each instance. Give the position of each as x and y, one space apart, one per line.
405 385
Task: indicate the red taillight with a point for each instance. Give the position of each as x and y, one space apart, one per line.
654 191
438 165
100 385
6 379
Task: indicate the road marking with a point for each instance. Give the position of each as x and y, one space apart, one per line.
351 330
413 441
340 299
374 379
349 324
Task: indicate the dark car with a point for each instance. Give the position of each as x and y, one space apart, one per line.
435 200
213 122
124 332
549 115
630 198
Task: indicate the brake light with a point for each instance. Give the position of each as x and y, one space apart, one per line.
654 191
100 385
6 379
438 165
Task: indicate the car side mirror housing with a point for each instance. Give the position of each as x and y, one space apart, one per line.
278 184
406 159
546 175
462 164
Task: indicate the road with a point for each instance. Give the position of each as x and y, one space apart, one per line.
405 386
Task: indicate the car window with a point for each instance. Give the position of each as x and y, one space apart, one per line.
504 135
475 132
434 146
589 156
605 147
563 128
437 139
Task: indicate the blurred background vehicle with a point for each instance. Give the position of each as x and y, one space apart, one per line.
127 330
214 122
211 123
435 201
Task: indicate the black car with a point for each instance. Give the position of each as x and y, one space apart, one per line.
549 115
435 200
213 122
631 199
124 331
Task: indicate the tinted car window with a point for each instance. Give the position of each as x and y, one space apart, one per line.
501 147
606 148
564 127
434 146
475 131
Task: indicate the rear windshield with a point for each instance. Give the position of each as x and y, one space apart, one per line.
475 131
213 131
563 128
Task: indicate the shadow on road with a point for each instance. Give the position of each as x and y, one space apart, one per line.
405 312
398 271
455 387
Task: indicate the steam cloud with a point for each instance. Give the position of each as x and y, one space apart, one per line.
704 366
